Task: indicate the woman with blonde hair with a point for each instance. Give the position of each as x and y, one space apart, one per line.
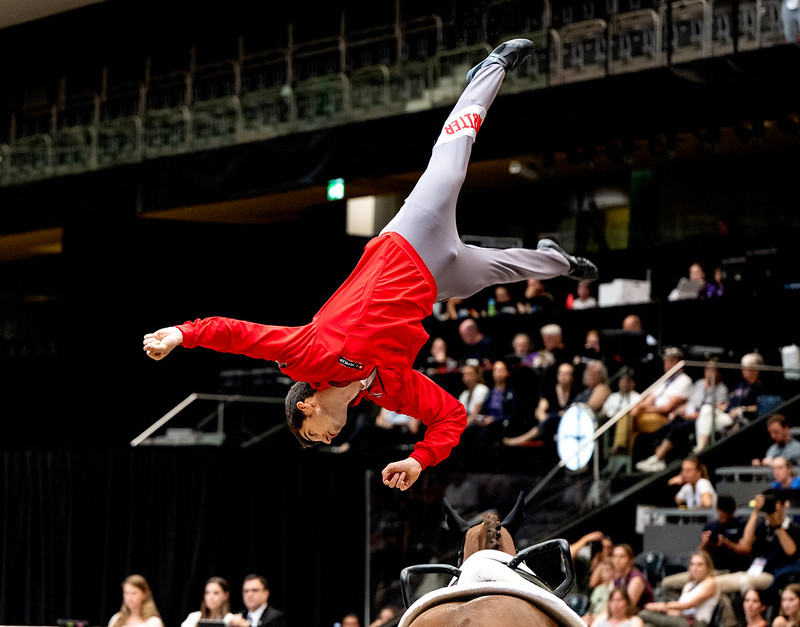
699 597
790 607
216 603
620 612
138 607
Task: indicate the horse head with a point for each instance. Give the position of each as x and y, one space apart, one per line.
490 533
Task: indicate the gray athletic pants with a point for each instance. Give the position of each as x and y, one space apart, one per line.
427 219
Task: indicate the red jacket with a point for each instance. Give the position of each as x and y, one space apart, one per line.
373 321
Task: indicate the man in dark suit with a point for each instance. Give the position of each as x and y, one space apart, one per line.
255 592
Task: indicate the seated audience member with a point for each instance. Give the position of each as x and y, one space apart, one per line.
351 620
216 603
783 444
770 539
439 361
590 351
658 408
633 324
536 298
753 608
138 607
600 546
522 349
474 344
703 288
386 616
718 538
625 396
599 593
553 353
596 390
629 577
695 606
503 302
552 404
499 411
620 611
783 475
583 298
475 391
389 429
743 400
696 490
258 612
707 395
457 309
789 615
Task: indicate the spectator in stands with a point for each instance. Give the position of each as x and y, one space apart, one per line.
590 350
499 411
596 389
660 407
583 298
552 404
783 444
258 613
553 353
602 554
625 396
783 473
523 350
753 608
475 392
387 614
503 302
697 601
770 541
138 607
718 538
633 324
536 298
620 611
708 394
600 592
696 490
743 401
628 576
216 603
789 615
701 287
474 344
439 361
351 620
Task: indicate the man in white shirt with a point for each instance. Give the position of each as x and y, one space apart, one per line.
624 397
659 407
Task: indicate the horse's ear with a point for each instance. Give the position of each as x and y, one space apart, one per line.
454 522
513 521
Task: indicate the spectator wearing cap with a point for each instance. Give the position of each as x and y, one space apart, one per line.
660 406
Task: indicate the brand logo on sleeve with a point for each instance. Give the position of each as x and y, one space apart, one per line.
349 363
465 122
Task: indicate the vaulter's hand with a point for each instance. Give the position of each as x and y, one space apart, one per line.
159 344
401 474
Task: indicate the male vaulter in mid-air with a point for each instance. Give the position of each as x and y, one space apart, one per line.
364 340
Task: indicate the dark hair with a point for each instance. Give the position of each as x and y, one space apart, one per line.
252 576
726 503
298 393
226 606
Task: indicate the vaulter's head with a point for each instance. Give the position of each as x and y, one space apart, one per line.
312 418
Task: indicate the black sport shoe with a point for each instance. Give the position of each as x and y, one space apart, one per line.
509 54
580 269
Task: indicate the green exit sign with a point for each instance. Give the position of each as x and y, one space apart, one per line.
335 189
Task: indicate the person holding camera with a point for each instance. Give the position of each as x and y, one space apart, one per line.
770 538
